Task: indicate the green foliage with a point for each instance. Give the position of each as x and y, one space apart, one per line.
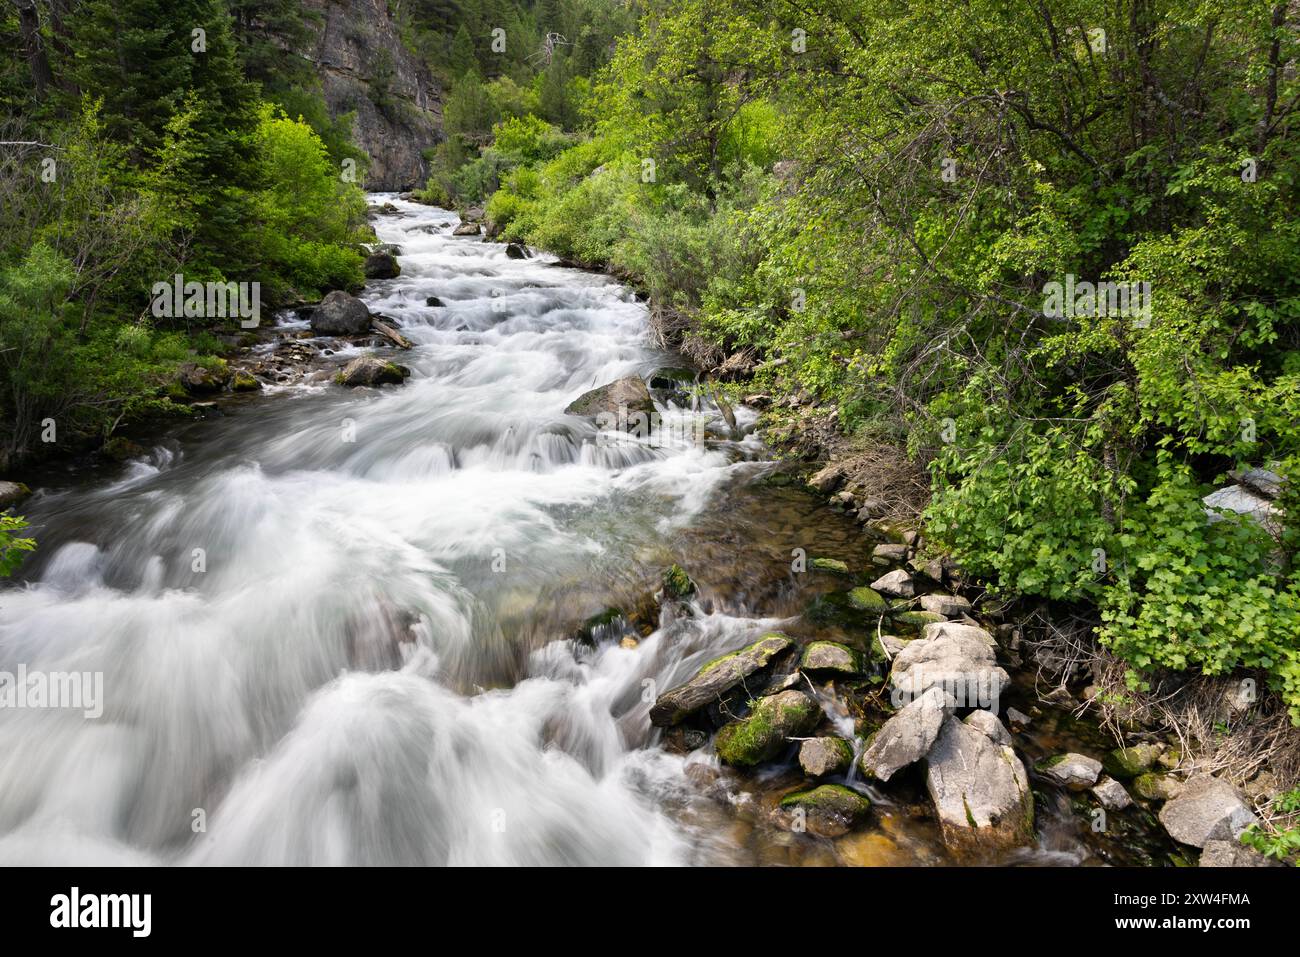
12 548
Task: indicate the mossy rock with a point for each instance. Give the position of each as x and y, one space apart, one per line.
762 736
830 656
1156 787
677 584
829 810
1128 763
917 619
868 600
121 449
245 382
832 565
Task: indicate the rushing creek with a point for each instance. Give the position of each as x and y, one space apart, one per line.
338 627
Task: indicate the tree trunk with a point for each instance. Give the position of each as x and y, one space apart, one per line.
29 22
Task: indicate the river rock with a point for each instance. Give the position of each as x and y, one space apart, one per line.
1112 795
1127 763
719 676
957 628
907 736
11 493
762 735
370 370
830 656
434 302
340 314
472 214
950 606
961 663
382 265
829 810
1157 787
822 756
979 788
200 380
828 479
467 229
516 251
896 584
889 554
1018 719
868 600
987 722
835 566
1074 771
622 398
1233 854
1207 809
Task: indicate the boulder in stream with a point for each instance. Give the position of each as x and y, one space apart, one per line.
980 789
830 656
950 606
371 371
718 677
828 810
467 229
382 265
1112 795
1206 809
819 757
896 584
516 251
620 400
763 734
196 379
11 493
907 736
1078 772
340 314
954 658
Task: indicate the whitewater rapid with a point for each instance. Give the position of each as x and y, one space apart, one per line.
332 625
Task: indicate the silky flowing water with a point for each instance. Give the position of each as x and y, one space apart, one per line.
338 627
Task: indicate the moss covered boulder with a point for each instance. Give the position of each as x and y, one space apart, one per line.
1128 763
371 371
868 600
1157 787
828 810
676 584
763 734
832 565
830 657
717 679
11 493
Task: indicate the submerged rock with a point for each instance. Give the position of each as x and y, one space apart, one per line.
371 371
340 315
829 810
833 565
819 757
979 788
907 736
762 735
830 656
1074 771
718 677
1206 809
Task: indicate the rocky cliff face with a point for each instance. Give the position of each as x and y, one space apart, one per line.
365 69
